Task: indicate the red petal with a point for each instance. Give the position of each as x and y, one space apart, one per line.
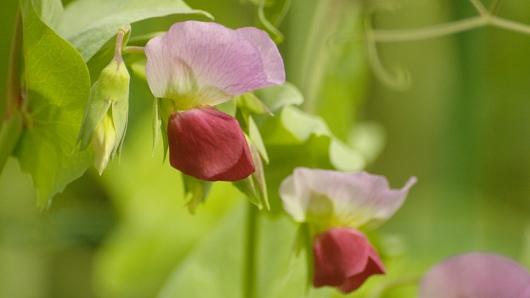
209 145
344 258
374 266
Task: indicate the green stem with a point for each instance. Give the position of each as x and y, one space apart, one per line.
485 19
382 35
481 9
134 50
398 282
11 126
249 269
14 96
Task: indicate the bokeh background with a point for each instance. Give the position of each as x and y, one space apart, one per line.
462 127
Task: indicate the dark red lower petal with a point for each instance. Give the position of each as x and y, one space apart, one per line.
374 266
344 258
209 145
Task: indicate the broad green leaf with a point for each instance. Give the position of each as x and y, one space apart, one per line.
50 11
302 125
213 268
280 272
368 138
89 24
156 231
345 158
277 97
58 87
298 139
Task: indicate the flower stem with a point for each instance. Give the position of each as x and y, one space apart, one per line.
398 282
134 50
249 266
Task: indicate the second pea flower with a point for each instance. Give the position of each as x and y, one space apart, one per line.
197 65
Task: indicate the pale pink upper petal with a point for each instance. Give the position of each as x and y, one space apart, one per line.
476 275
270 56
356 198
207 63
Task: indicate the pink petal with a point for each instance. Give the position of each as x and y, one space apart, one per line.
270 56
476 275
207 63
357 198
208 144
344 258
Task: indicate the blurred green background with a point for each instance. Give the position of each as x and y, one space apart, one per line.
463 128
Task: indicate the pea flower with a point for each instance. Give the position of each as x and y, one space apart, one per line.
197 65
476 275
335 204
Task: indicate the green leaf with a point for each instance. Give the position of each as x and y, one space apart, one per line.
58 87
50 11
204 273
298 139
89 24
281 272
277 97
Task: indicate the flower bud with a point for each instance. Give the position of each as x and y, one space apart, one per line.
103 143
105 118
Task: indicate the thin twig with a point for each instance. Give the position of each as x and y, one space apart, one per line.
481 9
509 25
494 6
386 35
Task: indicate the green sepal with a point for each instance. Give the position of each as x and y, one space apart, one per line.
277 97
157 124
255 186
195 191
120 116
94 114
256 139
163 110
250 103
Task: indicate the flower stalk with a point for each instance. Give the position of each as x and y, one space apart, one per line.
249 269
